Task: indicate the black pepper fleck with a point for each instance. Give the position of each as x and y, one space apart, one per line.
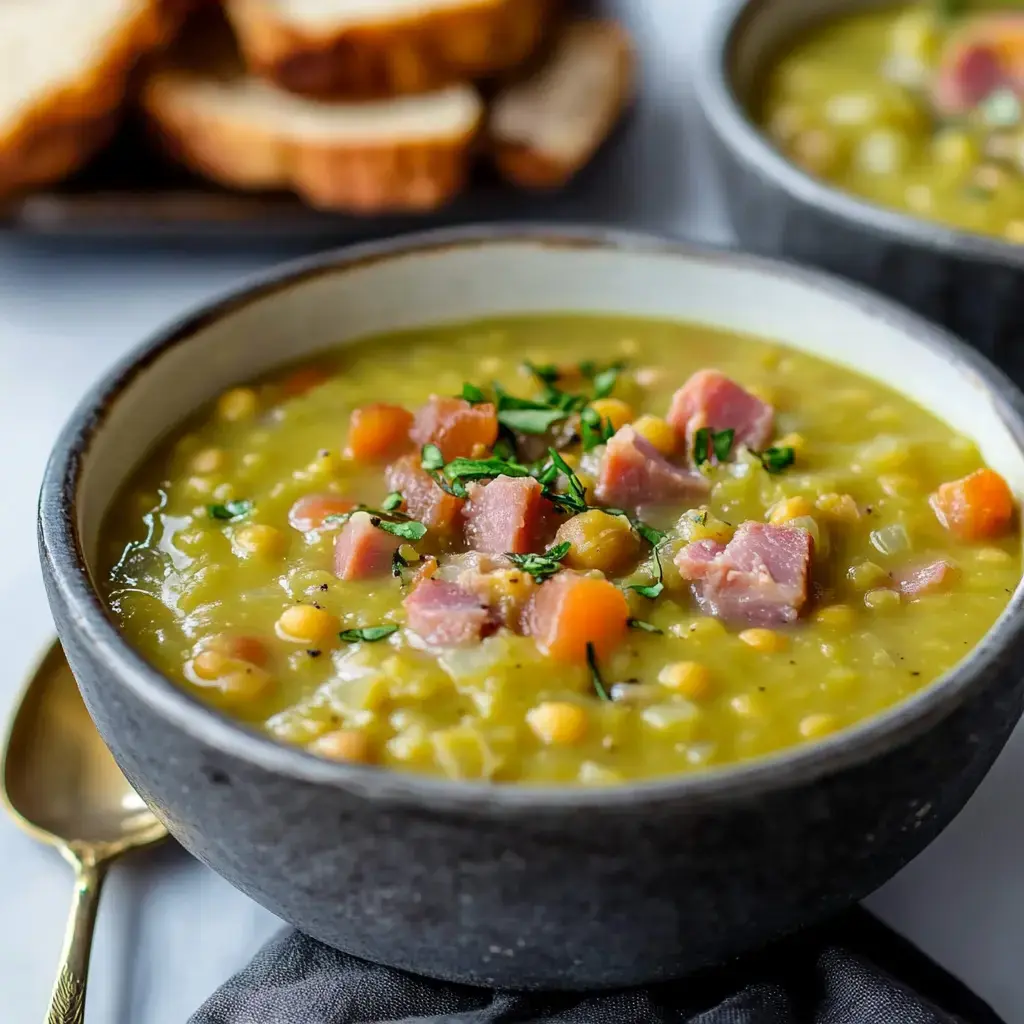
324 453
314 653
915 673
316 606
323 586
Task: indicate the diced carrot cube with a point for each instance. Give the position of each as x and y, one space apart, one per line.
569 611
459 429
979 506
309 512
378 432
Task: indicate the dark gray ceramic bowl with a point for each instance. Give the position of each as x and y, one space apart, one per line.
521 886
970 283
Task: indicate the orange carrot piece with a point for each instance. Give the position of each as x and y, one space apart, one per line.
980 506
378 432
309 512
569 612
459 429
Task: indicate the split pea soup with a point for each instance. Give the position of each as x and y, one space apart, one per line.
559 549
918 107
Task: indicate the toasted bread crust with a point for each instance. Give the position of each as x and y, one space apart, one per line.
532 168
479 39
365 179
65 127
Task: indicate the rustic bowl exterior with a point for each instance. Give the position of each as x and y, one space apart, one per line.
972 284
512 886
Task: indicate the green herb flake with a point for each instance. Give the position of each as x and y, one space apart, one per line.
651 591
431 458
646 627
775 460
605 381
575 500
230 509
392 501
595 674
366 634
546 374
530 421
542 567
708 443
410 530
472 394
483 469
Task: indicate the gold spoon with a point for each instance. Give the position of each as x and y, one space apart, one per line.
63 787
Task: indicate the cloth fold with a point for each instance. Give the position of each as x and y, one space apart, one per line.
852 970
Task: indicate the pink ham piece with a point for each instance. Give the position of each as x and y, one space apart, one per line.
508 515
987 54
760 578
442 614
710 399
635 475
424 501
455 426
925 579
362 551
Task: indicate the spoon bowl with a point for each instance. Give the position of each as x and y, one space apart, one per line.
63 787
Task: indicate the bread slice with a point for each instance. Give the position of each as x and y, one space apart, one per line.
65 65
408 153
374 48
545 129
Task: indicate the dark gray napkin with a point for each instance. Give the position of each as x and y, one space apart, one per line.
853 970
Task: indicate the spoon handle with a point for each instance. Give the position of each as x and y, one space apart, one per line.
67 1003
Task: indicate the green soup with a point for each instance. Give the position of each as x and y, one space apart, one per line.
648 640
915 107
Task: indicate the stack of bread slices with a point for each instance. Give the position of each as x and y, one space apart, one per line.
366 106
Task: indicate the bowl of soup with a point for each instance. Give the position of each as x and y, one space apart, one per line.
516 606
882 141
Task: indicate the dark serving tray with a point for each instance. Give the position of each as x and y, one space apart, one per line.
131 192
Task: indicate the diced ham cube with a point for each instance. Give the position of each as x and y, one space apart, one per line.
424 500
925 579
507 515
760 578
710 399
362 550
458 428
442 614
987 54
635 475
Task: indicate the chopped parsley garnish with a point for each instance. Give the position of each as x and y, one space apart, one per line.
652 590
541 567
546 374
646 627
368 634
594 430
409 530
649 533
575 500
605 380
708 443
472 394
775 460
431 458
595 674
461 471
392 501
230 509
531 421
947 10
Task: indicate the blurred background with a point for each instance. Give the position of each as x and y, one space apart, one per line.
131 209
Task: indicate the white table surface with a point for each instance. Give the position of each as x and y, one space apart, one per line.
170 930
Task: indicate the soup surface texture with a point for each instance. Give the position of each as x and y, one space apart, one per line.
336 557
914 107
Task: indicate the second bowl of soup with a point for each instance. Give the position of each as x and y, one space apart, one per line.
523 609
883 141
